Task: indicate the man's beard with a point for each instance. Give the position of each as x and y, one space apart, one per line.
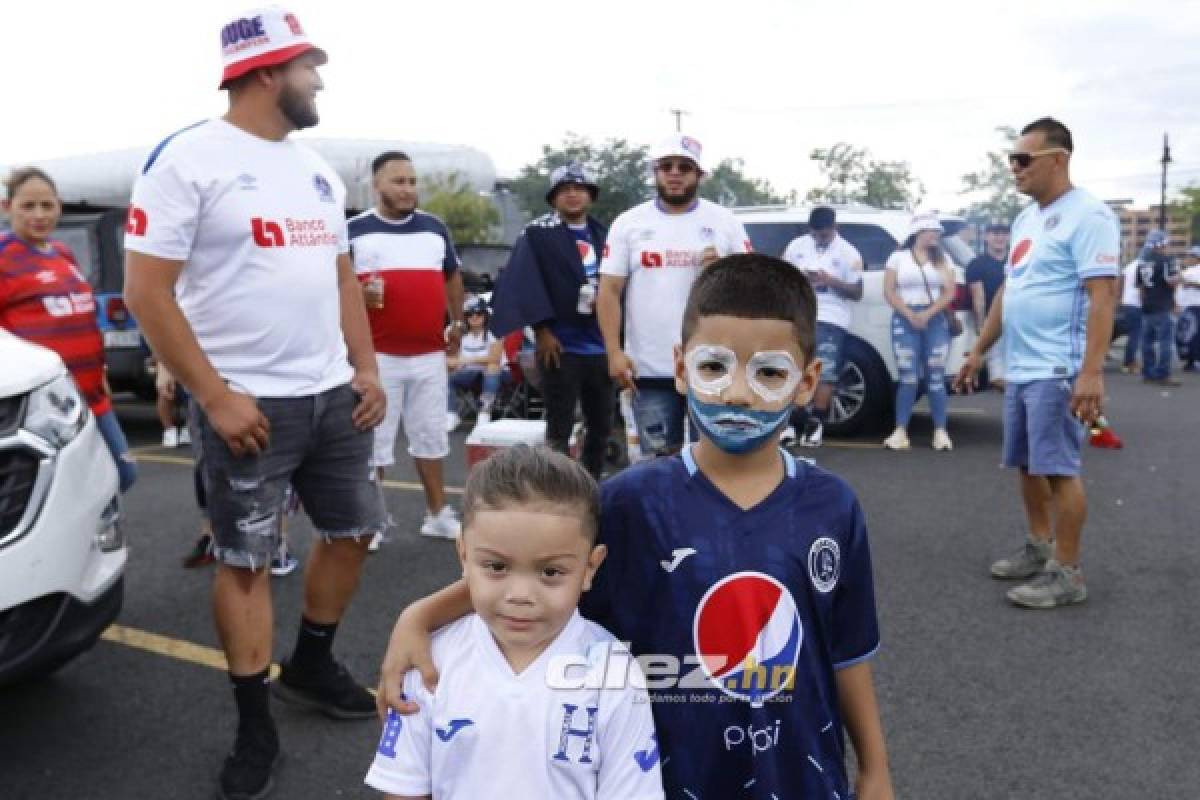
297 109
684 198
393 211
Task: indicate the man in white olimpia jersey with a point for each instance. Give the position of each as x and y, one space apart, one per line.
834 268
653 253
269 334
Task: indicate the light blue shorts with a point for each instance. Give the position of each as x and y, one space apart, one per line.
830 339
1040 433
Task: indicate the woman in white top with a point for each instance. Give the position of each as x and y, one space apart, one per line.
1187 297
919 284
1131 318
481 355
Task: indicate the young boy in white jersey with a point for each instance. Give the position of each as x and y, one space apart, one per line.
507 715
747 570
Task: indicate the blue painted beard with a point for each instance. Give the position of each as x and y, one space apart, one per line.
736 430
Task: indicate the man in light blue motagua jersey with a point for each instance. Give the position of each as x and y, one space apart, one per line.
1056 314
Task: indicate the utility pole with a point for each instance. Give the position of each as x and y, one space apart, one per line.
1162 208
679 114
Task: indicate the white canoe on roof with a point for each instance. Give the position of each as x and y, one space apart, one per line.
105 180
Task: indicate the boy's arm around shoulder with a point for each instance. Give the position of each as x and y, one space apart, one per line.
410 646
403 765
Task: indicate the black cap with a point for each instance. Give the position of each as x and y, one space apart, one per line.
997 227
822 217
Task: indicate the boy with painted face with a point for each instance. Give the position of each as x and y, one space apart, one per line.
740 577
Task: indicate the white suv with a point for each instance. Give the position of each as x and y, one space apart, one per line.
866 390
62 554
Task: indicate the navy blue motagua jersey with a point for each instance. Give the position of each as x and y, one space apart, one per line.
740 620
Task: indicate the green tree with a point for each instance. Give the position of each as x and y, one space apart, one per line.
1188 204
726 184
470 216
844 169
852 176
619 168
890 184
993 186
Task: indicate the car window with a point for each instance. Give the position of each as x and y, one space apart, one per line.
873 243
772 238
82 242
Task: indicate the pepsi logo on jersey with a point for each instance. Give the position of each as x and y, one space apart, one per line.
748 635
1019 259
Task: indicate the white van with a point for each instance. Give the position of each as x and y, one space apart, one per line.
866 391
62 553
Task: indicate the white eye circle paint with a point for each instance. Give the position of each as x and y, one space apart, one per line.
710 368
772 375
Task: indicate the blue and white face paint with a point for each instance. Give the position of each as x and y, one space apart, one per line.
773 376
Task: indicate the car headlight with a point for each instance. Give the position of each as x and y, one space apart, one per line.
56 411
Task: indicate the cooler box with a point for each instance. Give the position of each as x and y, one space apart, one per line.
486 439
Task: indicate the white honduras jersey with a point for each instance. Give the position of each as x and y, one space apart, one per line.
660 254
489 733
841 260
259 225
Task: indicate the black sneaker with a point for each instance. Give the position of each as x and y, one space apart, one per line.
249 771
330 690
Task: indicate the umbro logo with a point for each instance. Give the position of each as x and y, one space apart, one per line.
677 557
447 733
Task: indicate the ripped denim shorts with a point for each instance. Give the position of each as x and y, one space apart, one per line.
315 448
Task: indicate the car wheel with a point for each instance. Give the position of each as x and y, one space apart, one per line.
863 399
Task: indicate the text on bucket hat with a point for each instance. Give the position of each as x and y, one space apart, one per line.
263 37
681 145
927 221
573 173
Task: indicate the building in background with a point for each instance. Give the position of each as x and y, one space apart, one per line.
1137 223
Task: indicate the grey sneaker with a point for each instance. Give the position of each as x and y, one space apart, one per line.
1055 586
1028 561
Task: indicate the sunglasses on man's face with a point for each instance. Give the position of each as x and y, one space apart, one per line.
680 165
1023 160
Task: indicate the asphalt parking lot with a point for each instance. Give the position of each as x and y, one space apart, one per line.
979 699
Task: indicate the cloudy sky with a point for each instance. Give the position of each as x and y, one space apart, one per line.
925 82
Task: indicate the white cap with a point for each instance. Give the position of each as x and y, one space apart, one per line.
678 144
264 37
926 221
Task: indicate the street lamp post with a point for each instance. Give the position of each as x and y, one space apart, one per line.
1162 208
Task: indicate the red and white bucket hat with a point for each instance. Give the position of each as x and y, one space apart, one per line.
264 37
